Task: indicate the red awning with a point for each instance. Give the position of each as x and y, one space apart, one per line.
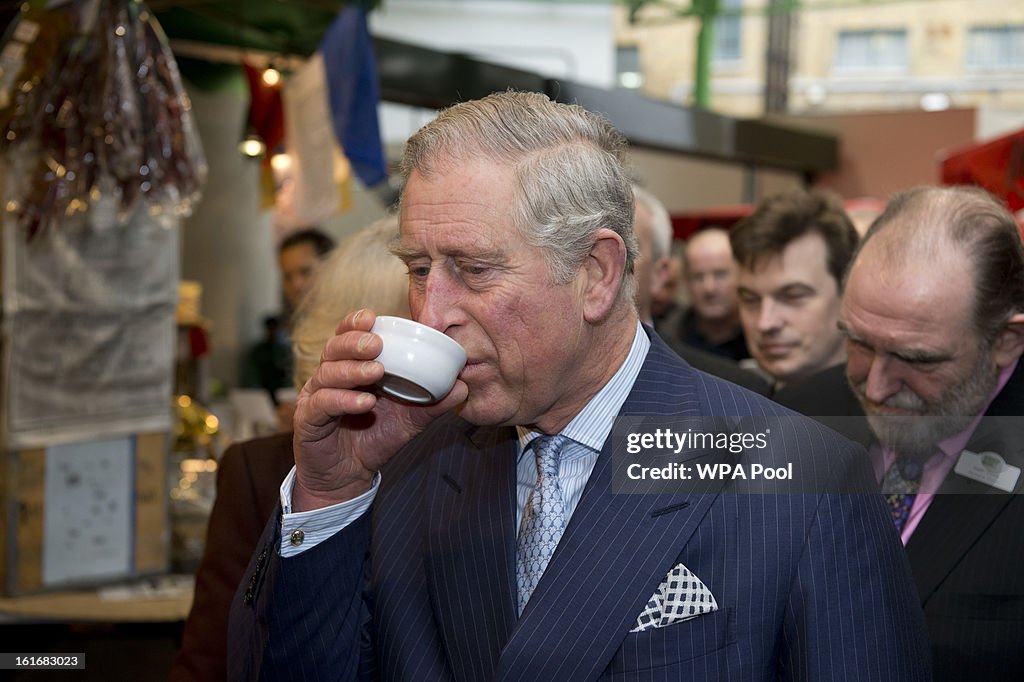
996 165
686 223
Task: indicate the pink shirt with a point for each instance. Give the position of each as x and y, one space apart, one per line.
938 467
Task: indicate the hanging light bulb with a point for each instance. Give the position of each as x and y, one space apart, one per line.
271 76
252 146
281 162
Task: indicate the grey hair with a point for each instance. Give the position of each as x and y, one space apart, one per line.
569 167
919 222
360 273
661 223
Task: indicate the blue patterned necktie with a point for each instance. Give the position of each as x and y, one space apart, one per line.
543 518
900 487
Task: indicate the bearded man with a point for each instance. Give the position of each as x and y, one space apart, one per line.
933 314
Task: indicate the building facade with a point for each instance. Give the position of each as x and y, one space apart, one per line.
845 55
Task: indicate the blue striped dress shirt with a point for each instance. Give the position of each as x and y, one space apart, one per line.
586 432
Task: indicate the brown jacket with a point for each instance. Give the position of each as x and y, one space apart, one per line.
248 480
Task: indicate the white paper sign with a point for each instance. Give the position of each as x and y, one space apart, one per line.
88 515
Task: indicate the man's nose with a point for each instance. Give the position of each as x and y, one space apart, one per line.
769 316
881 383
437 300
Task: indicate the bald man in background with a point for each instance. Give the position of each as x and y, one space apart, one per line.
712 322
653 266
653 230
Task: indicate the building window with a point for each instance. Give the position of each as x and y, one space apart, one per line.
728 32
877 50
627 66
995 48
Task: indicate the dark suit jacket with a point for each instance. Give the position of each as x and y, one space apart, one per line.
809 587
679 326
967 554
719 366
248 482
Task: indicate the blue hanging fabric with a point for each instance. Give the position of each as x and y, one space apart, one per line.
353 91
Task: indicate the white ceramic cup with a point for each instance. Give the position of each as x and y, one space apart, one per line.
420 364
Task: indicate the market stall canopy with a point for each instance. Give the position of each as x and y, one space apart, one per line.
424 77
996 165
284 27
280 26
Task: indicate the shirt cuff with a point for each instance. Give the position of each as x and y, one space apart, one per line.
301 531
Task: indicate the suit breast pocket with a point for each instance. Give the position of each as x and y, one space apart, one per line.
654 651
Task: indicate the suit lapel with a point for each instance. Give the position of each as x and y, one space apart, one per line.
963 508
470 545
613 555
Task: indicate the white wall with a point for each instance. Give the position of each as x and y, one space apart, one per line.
995 122
573 41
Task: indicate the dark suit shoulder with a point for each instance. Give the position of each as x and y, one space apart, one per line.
719 366
679 387
1010 401
826 393
825 459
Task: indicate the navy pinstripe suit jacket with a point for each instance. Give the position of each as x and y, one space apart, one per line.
809 586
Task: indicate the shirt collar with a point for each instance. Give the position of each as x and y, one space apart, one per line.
594 422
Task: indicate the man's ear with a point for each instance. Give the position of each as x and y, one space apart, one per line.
661 271
602 275
1009 345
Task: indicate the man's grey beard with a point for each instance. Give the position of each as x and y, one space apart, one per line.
917 437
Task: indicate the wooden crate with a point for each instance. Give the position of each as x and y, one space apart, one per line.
23 523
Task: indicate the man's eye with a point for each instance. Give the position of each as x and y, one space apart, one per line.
921 362
470 269
419 271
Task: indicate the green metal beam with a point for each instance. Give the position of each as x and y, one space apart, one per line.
706 12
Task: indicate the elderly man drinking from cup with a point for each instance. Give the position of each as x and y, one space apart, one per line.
479 537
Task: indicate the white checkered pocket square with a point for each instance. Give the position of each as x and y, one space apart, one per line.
681 596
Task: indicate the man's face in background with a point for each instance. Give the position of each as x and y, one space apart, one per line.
297 263
789 307
916 362
710 274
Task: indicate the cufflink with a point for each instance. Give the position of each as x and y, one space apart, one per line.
297 537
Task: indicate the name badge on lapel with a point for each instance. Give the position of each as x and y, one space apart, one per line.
988 468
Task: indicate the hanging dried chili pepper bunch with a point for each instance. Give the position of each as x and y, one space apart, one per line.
92 107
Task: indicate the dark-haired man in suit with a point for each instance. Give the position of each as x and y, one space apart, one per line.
480 538
792 252
933 312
